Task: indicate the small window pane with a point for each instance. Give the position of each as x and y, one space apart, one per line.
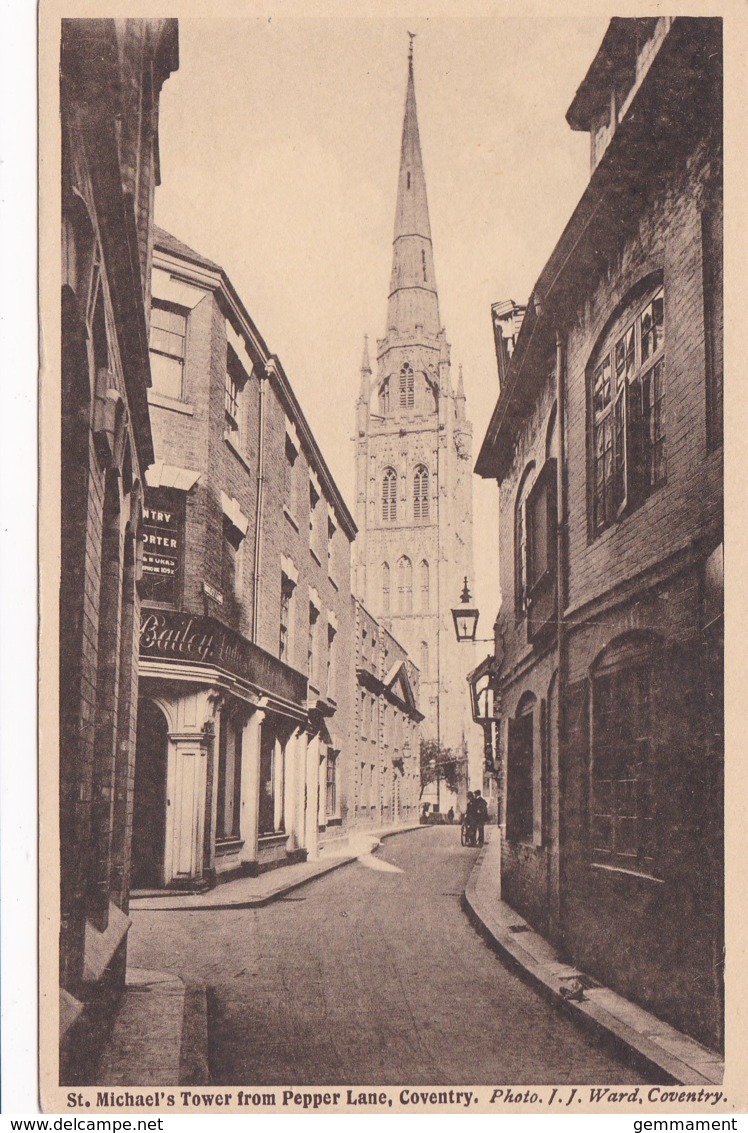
166 376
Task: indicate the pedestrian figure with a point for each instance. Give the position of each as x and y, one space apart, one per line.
469 820
451 814
481 816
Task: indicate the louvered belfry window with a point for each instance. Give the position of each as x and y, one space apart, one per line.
421 492
389 495
407 386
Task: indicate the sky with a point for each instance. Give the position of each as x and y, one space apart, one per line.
280 144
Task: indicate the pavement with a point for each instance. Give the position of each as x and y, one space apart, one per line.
255 892
160 1033
330 988
657 1048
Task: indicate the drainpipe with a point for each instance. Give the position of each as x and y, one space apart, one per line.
258 511
562 598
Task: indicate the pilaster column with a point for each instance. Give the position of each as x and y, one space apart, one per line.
311 834
250 815
300 758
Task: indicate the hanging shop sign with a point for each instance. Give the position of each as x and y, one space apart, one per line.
191 639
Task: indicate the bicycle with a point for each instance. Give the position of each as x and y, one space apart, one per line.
471 835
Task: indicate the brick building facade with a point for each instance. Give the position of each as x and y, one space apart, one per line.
111 75
606 443
246 699
386 741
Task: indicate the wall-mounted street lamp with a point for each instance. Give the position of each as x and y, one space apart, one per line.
465 616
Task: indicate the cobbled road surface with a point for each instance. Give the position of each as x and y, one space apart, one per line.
371 975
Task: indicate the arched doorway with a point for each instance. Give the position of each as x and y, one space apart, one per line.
149 808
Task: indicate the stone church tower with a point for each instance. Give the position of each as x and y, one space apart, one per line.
414 467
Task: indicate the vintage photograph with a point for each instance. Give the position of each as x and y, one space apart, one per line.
385 639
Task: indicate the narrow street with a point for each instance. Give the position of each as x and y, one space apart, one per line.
371 974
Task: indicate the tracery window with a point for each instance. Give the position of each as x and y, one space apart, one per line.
407 386
405 585
389 495
421 492
424 580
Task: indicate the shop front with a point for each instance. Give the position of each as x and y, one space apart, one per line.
221 756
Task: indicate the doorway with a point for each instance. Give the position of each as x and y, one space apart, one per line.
149 807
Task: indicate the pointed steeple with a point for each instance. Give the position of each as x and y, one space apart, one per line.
413 301
365 363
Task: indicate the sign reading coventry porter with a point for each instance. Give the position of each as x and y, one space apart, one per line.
161 548
173 636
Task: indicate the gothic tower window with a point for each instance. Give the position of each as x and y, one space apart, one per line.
405 585
384 398
389 495
407 386
385 588
421 492
423 572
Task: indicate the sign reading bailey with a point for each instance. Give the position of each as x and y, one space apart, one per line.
175 636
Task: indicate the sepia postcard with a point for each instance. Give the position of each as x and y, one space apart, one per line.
383 431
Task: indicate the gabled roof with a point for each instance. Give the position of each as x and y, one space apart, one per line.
168 243
397 684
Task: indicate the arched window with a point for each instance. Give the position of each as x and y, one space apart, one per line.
421 492
407 386
521 758
423 573
405 585
628 713
520 542
425 660
384 398
385 588
389 495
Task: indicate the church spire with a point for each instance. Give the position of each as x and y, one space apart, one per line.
413 303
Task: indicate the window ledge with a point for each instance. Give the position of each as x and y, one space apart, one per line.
230 444
622 871
315 556
173 403
274 839
290 518
228 845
